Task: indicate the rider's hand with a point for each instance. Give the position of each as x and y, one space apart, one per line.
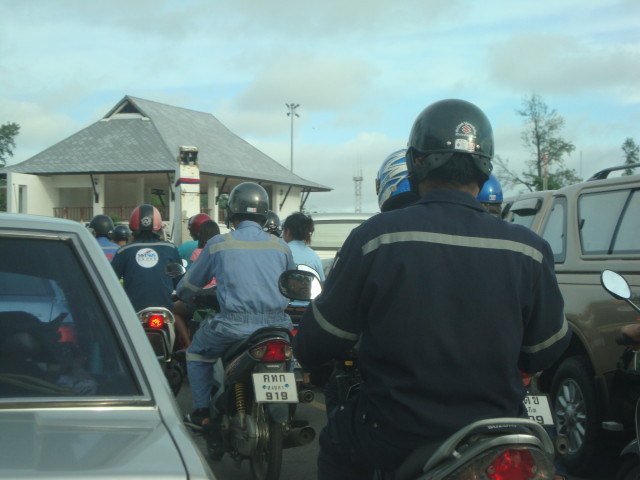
632 334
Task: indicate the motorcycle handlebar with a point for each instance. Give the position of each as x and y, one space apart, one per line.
625 340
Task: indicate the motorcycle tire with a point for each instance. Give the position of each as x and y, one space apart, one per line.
266 460
576 414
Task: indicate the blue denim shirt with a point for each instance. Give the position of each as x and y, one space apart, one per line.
247 264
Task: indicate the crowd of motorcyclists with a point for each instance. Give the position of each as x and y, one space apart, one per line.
447 304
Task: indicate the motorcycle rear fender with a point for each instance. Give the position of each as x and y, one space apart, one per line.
277 412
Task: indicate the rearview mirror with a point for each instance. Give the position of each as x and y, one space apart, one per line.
615 284
299 285
174 269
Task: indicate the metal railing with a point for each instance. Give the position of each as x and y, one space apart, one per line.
79 214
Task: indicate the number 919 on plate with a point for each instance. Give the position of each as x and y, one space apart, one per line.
276 387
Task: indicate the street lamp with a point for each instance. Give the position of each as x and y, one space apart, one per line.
291 113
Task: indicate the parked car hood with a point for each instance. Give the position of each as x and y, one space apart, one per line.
87 443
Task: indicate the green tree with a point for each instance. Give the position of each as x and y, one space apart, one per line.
542 138
8 132
631 154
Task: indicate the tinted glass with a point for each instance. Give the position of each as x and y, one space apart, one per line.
627 239
598 215
523 212
56 339
555 229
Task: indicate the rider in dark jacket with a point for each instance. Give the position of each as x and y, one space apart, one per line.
448 302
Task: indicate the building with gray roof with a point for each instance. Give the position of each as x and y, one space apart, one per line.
129 157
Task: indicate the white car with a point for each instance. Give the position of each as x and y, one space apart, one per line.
331 230
81 391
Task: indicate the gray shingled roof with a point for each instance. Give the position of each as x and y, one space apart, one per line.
140 135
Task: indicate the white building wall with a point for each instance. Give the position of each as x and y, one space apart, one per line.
39 195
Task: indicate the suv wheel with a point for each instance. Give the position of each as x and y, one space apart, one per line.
577 418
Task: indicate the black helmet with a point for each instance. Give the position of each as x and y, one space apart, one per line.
248 198
272 224
102 225
445 128
121 232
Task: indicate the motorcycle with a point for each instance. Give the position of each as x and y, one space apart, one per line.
295 312
256 397
159 325
629 375
490 449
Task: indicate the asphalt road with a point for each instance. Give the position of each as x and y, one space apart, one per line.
299 462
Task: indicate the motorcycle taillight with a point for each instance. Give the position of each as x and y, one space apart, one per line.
515 464
272 351
155 321
507 464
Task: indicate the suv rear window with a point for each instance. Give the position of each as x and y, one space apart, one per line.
609 222
56 339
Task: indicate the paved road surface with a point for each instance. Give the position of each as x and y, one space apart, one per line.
298 463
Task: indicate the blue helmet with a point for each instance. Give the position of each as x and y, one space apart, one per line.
491 191
392 182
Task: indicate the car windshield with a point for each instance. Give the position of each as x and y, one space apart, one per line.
56 337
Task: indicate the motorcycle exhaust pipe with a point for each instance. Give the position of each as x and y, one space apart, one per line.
306 396
297 437
562 445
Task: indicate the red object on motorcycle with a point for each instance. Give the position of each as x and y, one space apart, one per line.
294 332
155 321
516 464
272 351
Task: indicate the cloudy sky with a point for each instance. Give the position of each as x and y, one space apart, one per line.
360 71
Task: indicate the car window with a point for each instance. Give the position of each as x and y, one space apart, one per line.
56 337
523 212
332 234
555 229
598 216
627 239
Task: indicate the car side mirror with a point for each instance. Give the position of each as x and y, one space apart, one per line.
174 269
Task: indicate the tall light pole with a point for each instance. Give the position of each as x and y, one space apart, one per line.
291 113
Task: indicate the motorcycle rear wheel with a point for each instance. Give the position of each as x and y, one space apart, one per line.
266 460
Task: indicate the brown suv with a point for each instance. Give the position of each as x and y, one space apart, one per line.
591 226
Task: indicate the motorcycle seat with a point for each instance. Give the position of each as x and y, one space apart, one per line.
255 338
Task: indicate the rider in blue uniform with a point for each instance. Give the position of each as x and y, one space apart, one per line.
247 263
447 303
102 227
141 263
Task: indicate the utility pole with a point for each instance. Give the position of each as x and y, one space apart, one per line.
291 113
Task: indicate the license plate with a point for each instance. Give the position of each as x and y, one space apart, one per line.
277 387
539 409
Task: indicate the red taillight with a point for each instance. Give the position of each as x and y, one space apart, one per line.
294 332
272 351
67 334
515 464
155 321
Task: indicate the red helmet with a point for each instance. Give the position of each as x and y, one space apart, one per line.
195 222
145 218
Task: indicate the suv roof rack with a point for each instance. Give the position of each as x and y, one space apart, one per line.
602 174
